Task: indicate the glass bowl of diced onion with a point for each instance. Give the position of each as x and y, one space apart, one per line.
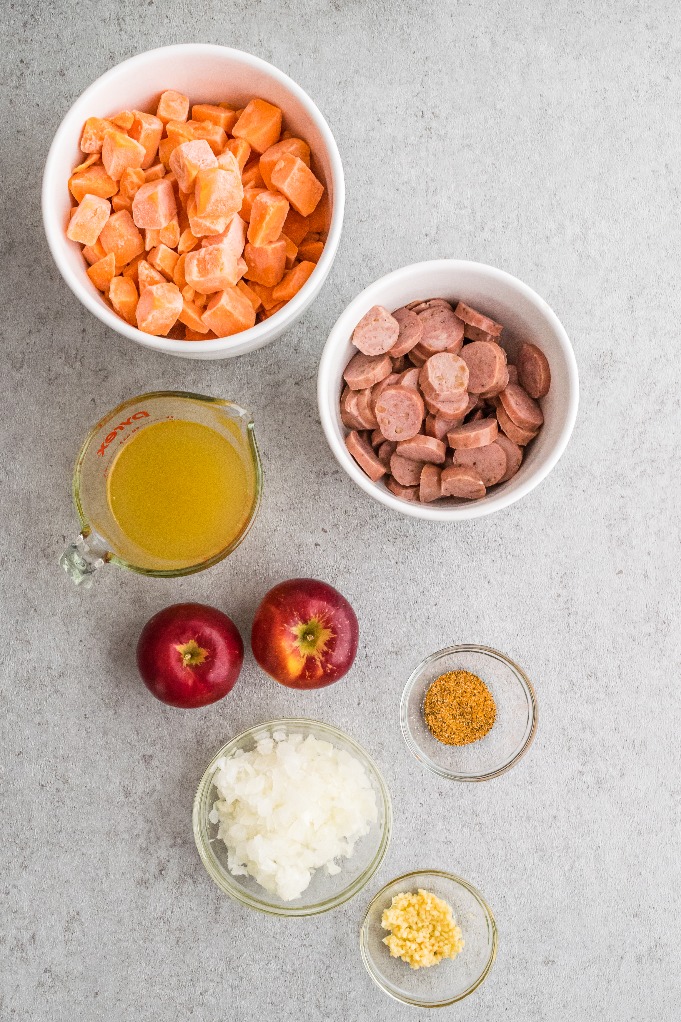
331 884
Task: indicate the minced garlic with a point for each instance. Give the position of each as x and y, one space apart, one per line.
423 931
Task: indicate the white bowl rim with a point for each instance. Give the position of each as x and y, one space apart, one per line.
261 334
340 332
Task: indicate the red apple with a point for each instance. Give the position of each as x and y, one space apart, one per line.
190 655
305 634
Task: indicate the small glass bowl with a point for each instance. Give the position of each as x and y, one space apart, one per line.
511 734
451 979
324 892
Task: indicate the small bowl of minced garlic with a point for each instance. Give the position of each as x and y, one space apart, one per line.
428 939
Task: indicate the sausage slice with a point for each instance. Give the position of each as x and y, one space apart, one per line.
405 492
490 462
385 453
407 472
430 487
534 372
473 434
521 408
423 448
442 330
480 324
444 377
411 332
364 455
462 481
515 433
514 456
376 331
399 412
486 365
455 409
366 370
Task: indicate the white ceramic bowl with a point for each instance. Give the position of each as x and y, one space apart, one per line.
525 317
207 74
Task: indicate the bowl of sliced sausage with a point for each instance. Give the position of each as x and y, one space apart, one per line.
448 390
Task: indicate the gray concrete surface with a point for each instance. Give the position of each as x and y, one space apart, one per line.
541 137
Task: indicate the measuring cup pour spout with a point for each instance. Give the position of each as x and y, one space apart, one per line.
81 559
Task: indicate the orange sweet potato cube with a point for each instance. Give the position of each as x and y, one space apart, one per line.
131 181
154 172
310 251
213 134
92 158
266 263
93 253
102 272
166 148
220 115
125 120
132 270
147 130
259 124
120 202
121 237
92 181
188 159
94 129
147 276
191 317
218 191
187 242
287 147
291 251
123 296
158 309
170 234
152 238
251 176
212 268
293 281
120 151
179 277
172 106
263 293
179 131
240 150
229 312
163 259
88 220
293 179
250 294
204 226
233 237
154 204
268 215
250 195
271 312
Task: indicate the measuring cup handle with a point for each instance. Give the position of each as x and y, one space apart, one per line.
81 559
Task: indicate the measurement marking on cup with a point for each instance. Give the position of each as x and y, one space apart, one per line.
109 439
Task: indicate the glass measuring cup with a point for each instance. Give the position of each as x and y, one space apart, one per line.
102 540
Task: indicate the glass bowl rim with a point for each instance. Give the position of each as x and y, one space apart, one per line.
412 875
225 882
418 752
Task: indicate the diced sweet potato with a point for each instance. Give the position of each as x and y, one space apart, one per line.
296 227
251 176
234 236
291 251
132 270
152 238
154 172
320 220
293 179
92 158
120 202
170 234
125 120
147 276
154 204
259 124
121 237
240 150
94 129
266 263
310 251
188 293
102 272
180 131
220 115
166 148
172 106
187 242
263 293
147 130
194 335
250 195
163 259
158 309
131 181
88 220
229 312
123 296
211 269
213 134
188 159
287 147
250 294
92 181
267 313
204 226
218 192
93 253
293 281
120 151
191 317
179 277
268 215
